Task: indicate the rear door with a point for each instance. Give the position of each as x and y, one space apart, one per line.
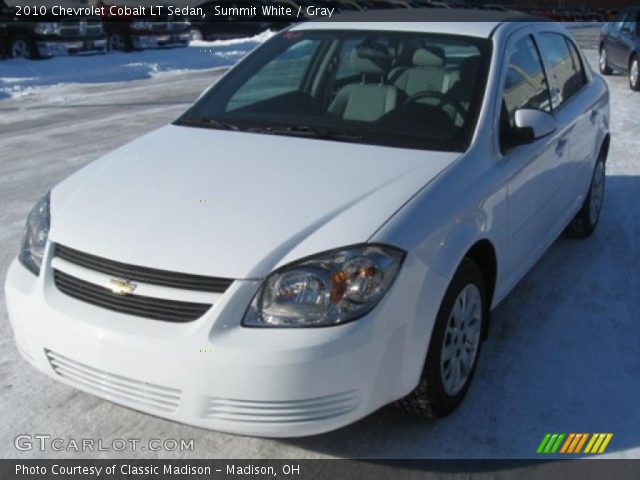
574 108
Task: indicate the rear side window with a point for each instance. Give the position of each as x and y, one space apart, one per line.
566 65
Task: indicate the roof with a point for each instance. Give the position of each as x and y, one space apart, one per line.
477 23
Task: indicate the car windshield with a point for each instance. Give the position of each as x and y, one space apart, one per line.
409 90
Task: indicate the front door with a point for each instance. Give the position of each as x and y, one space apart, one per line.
536 171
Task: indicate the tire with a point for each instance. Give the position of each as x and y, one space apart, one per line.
605 69
634 73
437 394
586 220
22 47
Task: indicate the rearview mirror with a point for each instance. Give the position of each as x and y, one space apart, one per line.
531 125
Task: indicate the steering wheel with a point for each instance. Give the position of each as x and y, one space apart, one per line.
444 98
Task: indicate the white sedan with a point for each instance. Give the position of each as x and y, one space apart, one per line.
324 232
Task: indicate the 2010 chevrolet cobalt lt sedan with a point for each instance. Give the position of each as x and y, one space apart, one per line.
324 232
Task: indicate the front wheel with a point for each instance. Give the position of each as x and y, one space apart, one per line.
603 63
586 221
454 347
634 74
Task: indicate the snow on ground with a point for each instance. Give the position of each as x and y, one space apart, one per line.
562 354
21 77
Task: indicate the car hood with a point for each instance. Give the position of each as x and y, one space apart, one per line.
234 204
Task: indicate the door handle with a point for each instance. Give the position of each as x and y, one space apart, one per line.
562 143
593 116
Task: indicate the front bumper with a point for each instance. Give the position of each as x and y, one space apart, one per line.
214 373
54 47
140 42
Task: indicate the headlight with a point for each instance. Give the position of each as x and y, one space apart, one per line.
327 289
36 235
141 25
48 28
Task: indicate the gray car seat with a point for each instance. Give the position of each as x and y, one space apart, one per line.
426 72
371 99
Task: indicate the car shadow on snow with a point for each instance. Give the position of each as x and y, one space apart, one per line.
561 357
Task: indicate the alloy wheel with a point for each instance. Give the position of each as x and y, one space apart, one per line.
461 340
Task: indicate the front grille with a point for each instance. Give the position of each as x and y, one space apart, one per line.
148 307
143 274
117 388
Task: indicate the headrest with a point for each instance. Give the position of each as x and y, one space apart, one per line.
371 58
428 57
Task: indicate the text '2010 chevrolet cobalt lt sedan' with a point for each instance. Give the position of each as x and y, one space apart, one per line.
324 232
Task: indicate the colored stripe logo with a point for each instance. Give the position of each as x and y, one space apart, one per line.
596 443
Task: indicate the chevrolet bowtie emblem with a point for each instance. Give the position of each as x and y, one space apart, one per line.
121 287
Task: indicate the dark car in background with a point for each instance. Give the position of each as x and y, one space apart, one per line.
213 27
127 33
620 46
4 36
49 35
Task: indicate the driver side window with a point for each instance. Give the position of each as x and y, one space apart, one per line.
526 86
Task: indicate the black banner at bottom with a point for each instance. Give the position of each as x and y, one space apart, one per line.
318 469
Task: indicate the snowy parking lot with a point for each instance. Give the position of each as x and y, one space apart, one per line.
562 355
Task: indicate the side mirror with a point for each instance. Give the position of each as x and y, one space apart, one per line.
531 125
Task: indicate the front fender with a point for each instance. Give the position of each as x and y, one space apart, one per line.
440 225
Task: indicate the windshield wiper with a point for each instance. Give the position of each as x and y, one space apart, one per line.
306 131
205 122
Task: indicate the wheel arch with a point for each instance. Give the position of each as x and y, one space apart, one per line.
483 253
606 143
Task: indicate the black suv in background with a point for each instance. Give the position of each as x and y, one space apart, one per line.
139 33
212 27
620 46
49 35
